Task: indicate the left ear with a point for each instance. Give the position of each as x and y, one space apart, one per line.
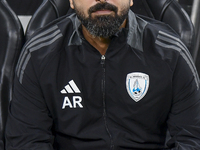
71 4
131 2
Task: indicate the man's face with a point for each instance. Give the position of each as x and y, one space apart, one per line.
102 18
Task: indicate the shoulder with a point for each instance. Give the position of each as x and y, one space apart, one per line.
144 31
160 40
165 41
45 43
160 37
49 35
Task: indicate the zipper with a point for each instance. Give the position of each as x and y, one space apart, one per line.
103 58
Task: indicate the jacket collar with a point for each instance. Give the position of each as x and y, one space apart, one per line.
136 27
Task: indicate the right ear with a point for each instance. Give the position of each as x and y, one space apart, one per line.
131 3
71 4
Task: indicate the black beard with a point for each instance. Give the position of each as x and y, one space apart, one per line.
104 25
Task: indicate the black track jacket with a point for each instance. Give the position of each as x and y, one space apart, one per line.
67 96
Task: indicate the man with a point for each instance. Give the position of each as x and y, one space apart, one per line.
104 79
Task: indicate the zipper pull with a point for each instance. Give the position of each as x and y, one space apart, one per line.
103 58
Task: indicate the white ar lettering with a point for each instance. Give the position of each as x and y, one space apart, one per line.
76 101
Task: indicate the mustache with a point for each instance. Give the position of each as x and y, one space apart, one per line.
102 6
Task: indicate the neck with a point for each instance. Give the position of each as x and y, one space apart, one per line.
100 43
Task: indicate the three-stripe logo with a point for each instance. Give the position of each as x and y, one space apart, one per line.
70 88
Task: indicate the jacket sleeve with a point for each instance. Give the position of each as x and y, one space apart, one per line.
29 122
184 118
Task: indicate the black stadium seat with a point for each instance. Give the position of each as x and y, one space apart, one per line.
48 11
11 41
24 7
171 13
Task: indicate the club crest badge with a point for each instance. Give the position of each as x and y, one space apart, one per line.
137 85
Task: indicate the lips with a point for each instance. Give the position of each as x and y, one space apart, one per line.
103 8
102 12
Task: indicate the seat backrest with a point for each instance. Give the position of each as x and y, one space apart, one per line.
11 41
48 11
171 13
62 6
24 7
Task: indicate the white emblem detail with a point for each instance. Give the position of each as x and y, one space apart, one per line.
137 85
76 100
71 88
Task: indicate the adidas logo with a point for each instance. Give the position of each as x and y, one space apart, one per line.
76 100
71 88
